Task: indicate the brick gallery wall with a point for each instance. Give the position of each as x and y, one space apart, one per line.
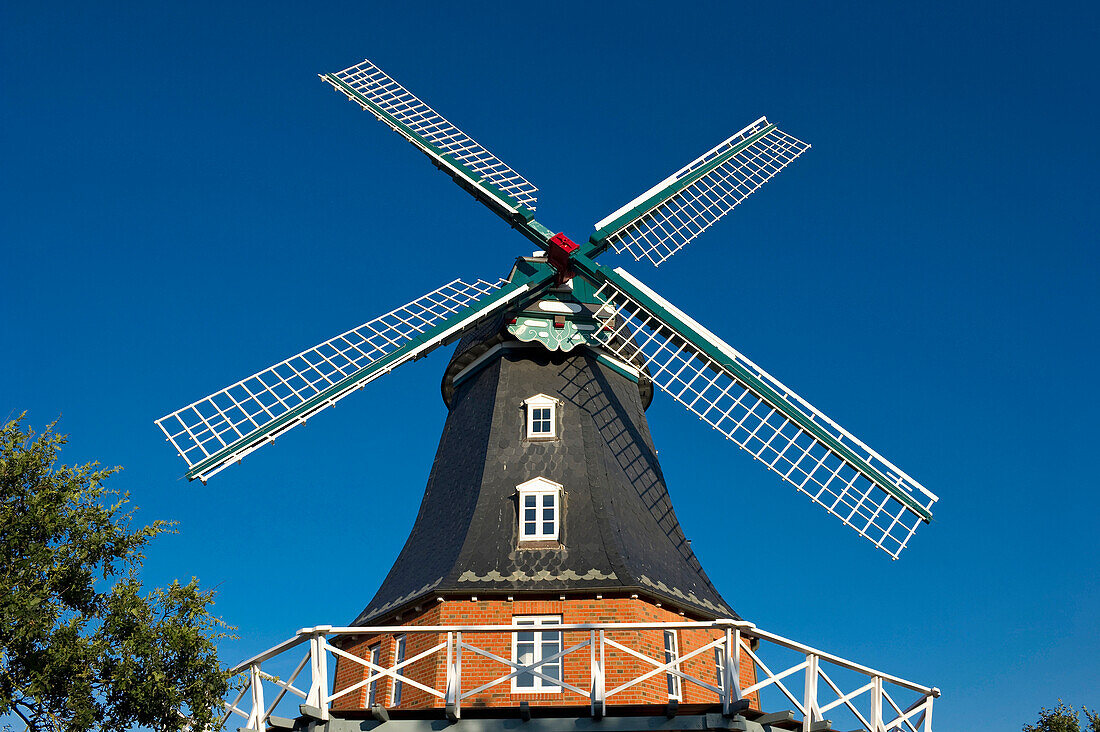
477 670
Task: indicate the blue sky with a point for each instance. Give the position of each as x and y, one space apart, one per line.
183 202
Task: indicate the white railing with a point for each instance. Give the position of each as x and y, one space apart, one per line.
831 688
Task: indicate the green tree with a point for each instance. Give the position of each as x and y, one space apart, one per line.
1063 718
82 646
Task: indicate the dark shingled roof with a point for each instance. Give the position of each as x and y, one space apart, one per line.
619 531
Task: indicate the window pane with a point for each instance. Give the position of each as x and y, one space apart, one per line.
534 646
371 695
548 514
541 421
671 654
531 501
399 656
530 514
548 500
525 655
548 528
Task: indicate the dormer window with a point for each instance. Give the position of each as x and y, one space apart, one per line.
539 510
542 417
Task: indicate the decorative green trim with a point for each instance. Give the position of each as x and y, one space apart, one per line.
616 367
597 273
476 367
541 329
541 275
597 242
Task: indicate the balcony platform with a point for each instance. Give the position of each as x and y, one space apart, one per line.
643 718
776 683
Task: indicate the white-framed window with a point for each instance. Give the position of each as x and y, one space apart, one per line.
720 667
374 655
539 510
542 417
398 657
672 652
530 647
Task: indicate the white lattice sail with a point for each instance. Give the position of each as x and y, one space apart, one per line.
406 114
227 425
658 223
757 412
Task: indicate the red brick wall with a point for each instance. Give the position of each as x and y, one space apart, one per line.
619 667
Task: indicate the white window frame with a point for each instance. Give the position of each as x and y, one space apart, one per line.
541 686
672 652
539 488
541 401
399 649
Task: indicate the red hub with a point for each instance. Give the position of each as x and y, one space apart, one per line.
561 249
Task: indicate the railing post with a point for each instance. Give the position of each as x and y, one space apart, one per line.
810 710
736 672
727 672
451 693
928 711
876 704
318 667
256 716
596 696
458 674
603 675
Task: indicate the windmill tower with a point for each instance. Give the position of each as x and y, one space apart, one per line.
546 517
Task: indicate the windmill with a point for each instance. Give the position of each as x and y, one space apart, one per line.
630 323
546 508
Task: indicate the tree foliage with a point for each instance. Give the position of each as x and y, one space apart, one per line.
1063 718
82 646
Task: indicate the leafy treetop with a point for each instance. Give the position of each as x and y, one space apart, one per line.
1063 718
82 647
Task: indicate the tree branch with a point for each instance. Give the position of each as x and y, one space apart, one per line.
15 708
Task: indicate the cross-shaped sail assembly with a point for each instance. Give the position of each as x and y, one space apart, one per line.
636 326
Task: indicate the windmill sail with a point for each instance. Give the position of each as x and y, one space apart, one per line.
753 409
227 425
473 167
658 223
